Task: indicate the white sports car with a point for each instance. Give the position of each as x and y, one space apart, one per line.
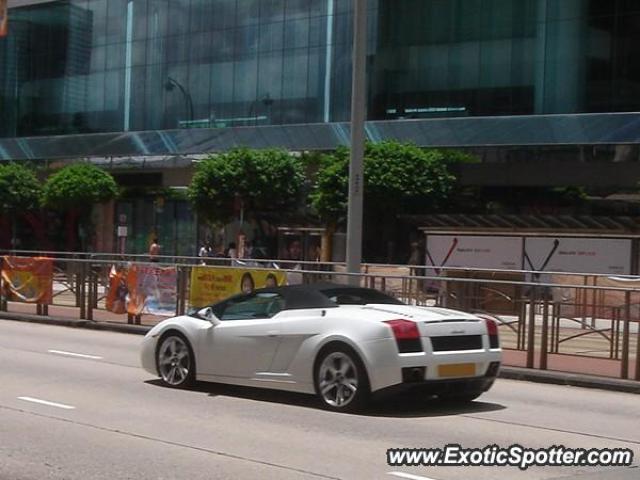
339 342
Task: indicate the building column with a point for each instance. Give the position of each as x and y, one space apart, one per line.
560 56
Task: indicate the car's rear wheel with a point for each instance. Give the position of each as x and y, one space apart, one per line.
175 361
341 379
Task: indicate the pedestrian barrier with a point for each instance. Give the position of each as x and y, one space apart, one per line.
572 322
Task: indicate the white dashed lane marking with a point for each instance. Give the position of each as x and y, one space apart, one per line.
72 354
409 476
47 403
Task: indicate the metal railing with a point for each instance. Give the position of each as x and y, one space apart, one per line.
570 326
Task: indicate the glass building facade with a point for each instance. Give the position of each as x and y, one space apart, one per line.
90 66
544 92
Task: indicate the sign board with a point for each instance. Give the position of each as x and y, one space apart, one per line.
474 251
28 280
211 284
151 290
578 255
122 231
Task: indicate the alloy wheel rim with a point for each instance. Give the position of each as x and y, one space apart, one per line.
174 361
338 379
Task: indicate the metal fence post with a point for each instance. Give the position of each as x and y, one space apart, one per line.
75 280
557 311
96 284
180 294
614 336
178 290
624 368
90 294
186 279
3 300
522 321
545 334
637 374
532 329
80 285
617 327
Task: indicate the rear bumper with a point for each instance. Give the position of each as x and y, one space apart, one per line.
385 366
458 386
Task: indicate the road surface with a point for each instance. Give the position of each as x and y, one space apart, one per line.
74 404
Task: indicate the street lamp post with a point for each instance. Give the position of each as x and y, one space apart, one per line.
267 101
358 117
171 84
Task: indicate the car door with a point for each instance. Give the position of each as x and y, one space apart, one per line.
245 339
296 328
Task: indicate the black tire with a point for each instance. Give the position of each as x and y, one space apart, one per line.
338 369
459 397
175 361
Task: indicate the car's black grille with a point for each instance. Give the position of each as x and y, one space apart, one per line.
458 342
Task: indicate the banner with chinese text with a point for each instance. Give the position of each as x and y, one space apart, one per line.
212 284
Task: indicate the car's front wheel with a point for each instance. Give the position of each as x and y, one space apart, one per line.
175 361
341 380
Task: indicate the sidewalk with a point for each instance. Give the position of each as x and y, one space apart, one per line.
561 366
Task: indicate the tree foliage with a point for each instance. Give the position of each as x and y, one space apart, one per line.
78 187
263 180
398 178
19 188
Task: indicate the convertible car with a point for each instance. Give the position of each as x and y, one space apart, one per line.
338 342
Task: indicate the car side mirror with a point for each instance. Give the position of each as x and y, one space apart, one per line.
207 314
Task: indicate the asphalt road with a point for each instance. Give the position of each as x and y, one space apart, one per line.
108 419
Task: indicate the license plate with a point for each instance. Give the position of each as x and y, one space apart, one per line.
457 370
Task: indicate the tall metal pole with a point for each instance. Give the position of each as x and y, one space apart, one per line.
358 117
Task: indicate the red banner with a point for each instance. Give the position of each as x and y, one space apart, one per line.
28 280
4 18
117 295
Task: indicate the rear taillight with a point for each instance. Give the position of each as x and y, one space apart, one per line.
406 334
492 330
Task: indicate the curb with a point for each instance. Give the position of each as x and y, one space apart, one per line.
66 322
506 372
569 379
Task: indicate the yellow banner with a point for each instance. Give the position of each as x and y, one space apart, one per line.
28 280
212 284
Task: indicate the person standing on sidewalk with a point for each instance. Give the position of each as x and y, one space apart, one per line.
154 250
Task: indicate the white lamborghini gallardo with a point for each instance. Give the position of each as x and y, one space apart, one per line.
339 342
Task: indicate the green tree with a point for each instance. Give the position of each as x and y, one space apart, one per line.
75 189
78 187
19 188
20 191
399 178
259 180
